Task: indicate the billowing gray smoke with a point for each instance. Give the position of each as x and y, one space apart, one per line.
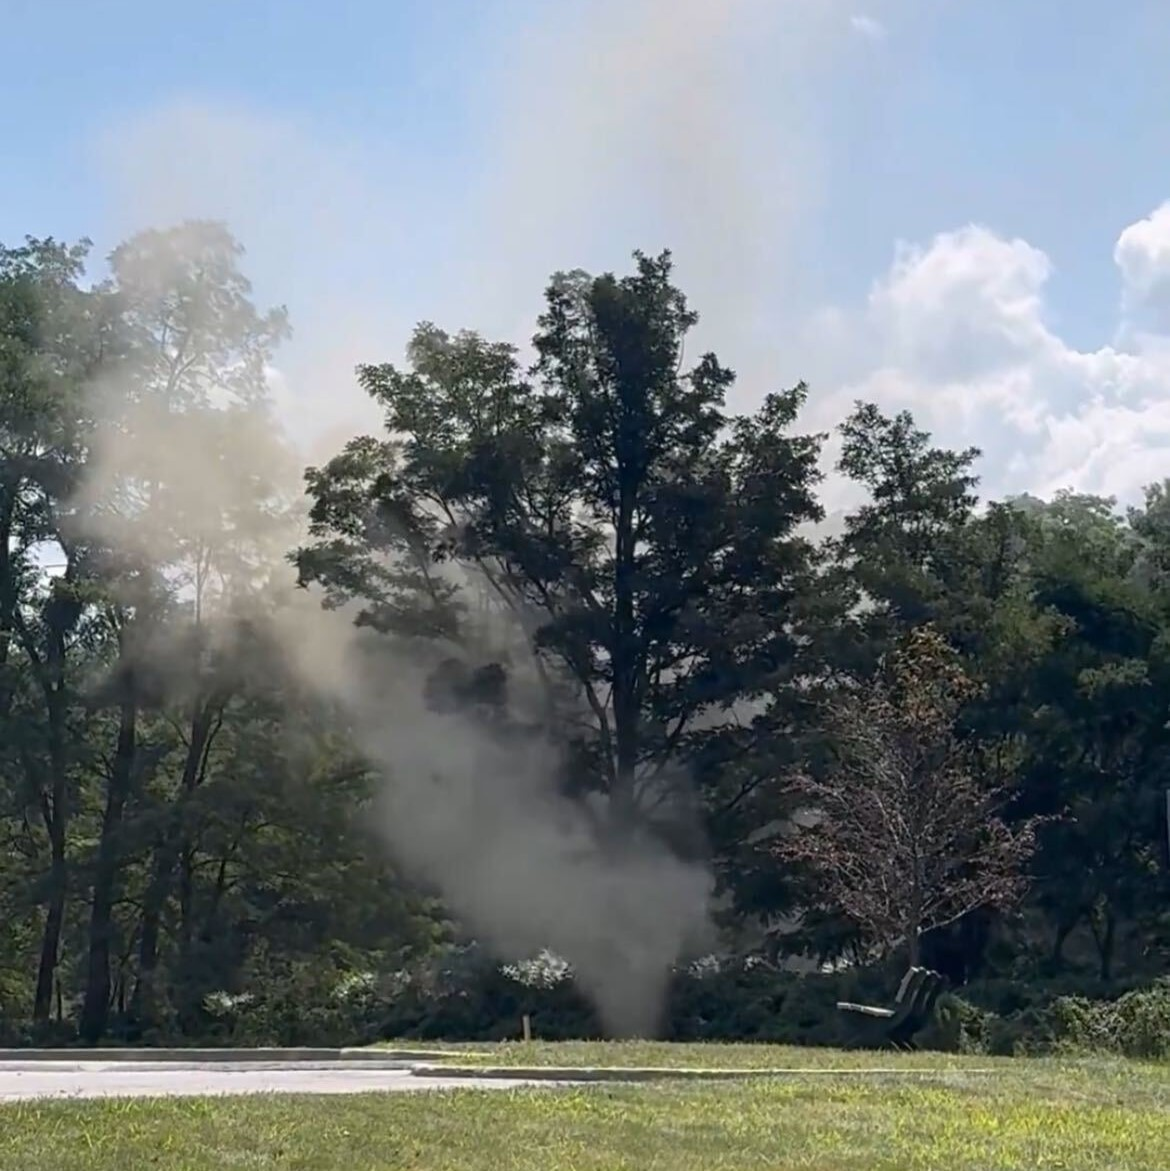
607 125
476 813
479 814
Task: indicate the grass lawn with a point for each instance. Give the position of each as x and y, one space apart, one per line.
1075 1116
691 1056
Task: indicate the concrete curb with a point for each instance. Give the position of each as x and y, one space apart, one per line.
228 1056
548 1073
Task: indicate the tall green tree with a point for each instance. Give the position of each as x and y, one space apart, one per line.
1093 719
53 340
904 551
179 507
646 542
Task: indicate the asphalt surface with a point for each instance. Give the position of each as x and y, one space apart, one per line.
95 1079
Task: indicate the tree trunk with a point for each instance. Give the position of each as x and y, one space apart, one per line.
1063 930
914 934
96 1006
186 904
914 948
144 999
54 922
1106 941
7 595
625 661
54 815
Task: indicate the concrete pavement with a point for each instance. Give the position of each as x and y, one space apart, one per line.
266 1056
23 1080
94 1073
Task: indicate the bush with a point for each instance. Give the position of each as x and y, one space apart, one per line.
462 993
51 1034
727 1002
1136 1024
1008 997
959 1027
468 996
1144 1022
1076 1024
1010 1018
296 1004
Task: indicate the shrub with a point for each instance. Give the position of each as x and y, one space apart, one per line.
959 1027
1144 1019
1078 1025
1047 1018
462 993
1136 1024
297 1004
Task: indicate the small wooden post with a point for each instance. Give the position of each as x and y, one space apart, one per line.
526 1022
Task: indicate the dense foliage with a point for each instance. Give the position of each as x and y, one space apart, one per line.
938 733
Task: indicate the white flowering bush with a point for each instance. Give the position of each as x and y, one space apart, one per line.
353 986
226 1006
704 968
299 1004
544 970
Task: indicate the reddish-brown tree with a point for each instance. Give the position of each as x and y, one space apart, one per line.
904 829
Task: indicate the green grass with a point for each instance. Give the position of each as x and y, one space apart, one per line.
1075 1116
693 1056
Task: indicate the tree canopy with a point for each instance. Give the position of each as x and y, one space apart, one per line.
950 713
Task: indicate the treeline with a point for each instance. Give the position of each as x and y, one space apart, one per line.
937 733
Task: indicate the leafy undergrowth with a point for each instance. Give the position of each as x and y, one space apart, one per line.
1110 1116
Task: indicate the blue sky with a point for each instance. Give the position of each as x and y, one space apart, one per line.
385 162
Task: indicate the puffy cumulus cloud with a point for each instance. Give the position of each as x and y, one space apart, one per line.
594 128
960 330
1143 256
967 307
1108 446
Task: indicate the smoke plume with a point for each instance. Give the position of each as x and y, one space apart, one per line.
591 129
210 493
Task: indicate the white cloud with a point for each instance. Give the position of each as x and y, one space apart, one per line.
965 307
868 26
961 338
620 124
1143 256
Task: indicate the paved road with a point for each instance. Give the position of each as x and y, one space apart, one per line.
93 1079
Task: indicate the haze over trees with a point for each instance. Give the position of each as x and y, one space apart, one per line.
939 734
